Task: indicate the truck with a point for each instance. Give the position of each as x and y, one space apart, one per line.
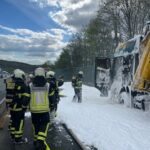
119 72
102 75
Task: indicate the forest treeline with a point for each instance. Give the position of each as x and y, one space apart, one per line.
116 21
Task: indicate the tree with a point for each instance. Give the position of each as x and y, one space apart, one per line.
130 15
116 21
64 60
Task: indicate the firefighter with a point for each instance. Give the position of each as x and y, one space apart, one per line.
50 75
77 84
10 85
38 96
16 108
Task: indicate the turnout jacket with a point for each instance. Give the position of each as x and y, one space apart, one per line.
10 85
18 94
39 96
57 84
77 82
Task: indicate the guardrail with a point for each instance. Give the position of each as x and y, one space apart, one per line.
2 106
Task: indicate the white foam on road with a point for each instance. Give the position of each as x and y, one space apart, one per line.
107 126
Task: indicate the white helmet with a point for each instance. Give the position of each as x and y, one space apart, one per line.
18 73
31 76
50 73
80 72
39 72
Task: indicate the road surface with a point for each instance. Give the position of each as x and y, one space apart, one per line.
58 138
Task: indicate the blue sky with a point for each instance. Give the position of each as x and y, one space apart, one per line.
34 31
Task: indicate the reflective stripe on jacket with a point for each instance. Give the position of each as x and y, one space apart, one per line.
39 98
10 85
78 84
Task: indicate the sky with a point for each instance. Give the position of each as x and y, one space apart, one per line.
35 31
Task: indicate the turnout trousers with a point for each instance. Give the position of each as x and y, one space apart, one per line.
40 123
12 124
78 95
17 124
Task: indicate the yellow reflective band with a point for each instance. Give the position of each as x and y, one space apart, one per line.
47 147
26 94
18 136
8 100
10 85
18 132
17 109
52 93
39 111
19 87
42 134
45 97
33 98
21 126
47 128
14 106
40 138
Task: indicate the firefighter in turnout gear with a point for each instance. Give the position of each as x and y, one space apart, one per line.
10 85
39 98
50 75
77 85
16 109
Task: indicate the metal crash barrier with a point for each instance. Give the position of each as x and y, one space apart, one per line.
2 106
2 97
2 112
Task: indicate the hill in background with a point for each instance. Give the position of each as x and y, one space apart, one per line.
11 65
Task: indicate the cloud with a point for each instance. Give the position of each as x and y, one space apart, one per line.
34 47
72 14
45 3
38 45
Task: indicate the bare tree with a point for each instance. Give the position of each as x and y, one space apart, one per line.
128 16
